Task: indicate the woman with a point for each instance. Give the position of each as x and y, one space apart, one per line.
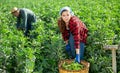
74 33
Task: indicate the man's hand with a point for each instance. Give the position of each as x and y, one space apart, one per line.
18 28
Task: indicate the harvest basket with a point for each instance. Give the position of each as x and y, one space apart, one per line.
84 70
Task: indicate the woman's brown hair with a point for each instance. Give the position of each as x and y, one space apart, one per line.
61 25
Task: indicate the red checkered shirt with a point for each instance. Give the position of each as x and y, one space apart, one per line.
78 30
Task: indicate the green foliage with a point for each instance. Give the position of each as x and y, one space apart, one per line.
72 66
19 54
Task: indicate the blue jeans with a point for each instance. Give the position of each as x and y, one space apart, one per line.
72 52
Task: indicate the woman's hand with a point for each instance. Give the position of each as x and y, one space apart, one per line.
66 42
77 58
68 48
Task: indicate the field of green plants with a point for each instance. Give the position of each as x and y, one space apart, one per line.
19 54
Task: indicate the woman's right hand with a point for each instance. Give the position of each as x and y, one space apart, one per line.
66 42
67 47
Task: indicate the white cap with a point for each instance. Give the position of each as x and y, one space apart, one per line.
66 8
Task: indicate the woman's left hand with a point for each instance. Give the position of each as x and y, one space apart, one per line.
77 58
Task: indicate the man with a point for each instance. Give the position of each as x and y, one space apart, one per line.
25 18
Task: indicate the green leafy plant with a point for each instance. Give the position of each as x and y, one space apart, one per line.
72 66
